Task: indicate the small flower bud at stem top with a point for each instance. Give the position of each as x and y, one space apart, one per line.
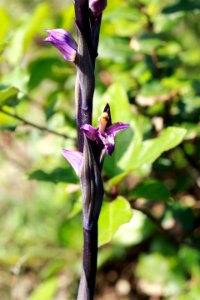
97 6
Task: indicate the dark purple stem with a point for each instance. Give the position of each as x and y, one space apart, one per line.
82 19
88 276
92 187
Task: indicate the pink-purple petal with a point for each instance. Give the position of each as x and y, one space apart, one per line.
75 158
64 42
106 139
109 142
116 127
90 131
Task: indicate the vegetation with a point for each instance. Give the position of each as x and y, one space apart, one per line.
149 229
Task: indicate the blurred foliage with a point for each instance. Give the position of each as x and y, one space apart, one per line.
148 71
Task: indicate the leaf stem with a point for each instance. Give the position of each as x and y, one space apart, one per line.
39 127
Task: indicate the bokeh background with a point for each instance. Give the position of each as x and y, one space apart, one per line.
148 69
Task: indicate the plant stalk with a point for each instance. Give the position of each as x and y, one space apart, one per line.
88 276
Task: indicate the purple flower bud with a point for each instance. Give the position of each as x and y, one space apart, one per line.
97 6
64 42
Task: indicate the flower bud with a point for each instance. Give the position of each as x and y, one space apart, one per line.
64 42
97 6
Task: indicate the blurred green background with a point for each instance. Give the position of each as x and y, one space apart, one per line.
148 69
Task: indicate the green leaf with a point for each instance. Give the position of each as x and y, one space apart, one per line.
182 5
148 151
42 68
134 232
152 190
112 216
8 128
46 290
140 153
56 176
35 23
8 96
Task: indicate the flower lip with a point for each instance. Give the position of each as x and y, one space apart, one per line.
64 42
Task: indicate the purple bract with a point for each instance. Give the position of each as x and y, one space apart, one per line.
75 159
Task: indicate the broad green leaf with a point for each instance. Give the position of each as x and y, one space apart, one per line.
46 290
139 154
148 151
112 216
8 96
56 176
135 231
150 189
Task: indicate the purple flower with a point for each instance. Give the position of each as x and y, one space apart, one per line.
75 159
97 6
104 135
64 42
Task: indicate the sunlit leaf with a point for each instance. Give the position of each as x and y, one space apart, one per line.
46 290
149 150
8 96
112 216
